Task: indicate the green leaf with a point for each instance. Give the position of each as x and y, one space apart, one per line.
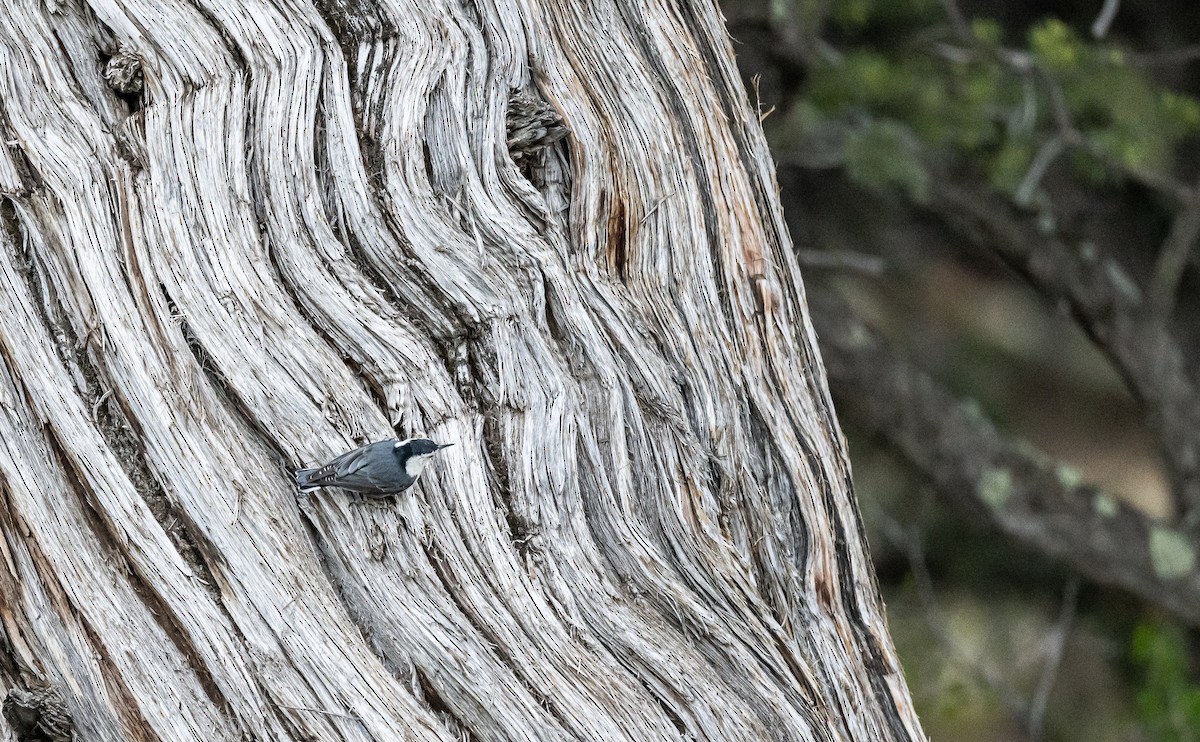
852 14
883 154
1055 45
1181 110
988 31
1010 164
1168 702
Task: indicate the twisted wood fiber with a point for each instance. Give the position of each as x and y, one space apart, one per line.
306 233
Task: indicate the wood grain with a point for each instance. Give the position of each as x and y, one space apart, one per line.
305 233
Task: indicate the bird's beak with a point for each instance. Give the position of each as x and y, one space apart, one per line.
445 445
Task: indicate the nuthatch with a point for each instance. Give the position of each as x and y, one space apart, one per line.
383 468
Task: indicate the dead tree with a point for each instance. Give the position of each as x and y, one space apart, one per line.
242 237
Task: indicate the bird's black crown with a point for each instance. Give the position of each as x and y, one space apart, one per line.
420 447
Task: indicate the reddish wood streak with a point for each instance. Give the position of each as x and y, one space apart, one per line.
618 242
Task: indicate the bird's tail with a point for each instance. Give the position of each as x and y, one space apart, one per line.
304 479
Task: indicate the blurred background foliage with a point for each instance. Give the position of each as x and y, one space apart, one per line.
1084 116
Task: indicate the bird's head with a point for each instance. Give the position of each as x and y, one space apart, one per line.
415 453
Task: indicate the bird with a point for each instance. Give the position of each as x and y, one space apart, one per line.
382 468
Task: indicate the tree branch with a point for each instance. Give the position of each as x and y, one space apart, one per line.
1166 57
1070 133
908 539
1173 258
977 470
1107 305
958 20
1057 649
1108 13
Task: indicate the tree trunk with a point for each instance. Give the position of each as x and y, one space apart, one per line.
244 237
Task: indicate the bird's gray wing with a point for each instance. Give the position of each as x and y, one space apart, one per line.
342 466
349 463
365 469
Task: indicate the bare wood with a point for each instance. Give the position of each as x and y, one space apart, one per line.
312 229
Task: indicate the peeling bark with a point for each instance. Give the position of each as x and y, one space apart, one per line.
241 238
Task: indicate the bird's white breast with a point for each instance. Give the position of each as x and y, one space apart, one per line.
416 464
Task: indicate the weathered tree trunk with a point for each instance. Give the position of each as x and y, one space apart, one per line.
307 231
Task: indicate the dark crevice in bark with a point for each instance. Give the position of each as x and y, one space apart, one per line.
426 311
325 173
369 382
354 21
13 670
112 421
681 114
557 330
813 706
440 708
409 308
532 129
471 364
123 75
494 643
124 703
31 179
108 534
764 447
521 531
38 715
427 156
232 47
618 239
686 731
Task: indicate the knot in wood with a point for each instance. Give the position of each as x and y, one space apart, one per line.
533 126
38 715
123 72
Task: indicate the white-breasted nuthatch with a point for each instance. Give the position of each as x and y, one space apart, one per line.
383 468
